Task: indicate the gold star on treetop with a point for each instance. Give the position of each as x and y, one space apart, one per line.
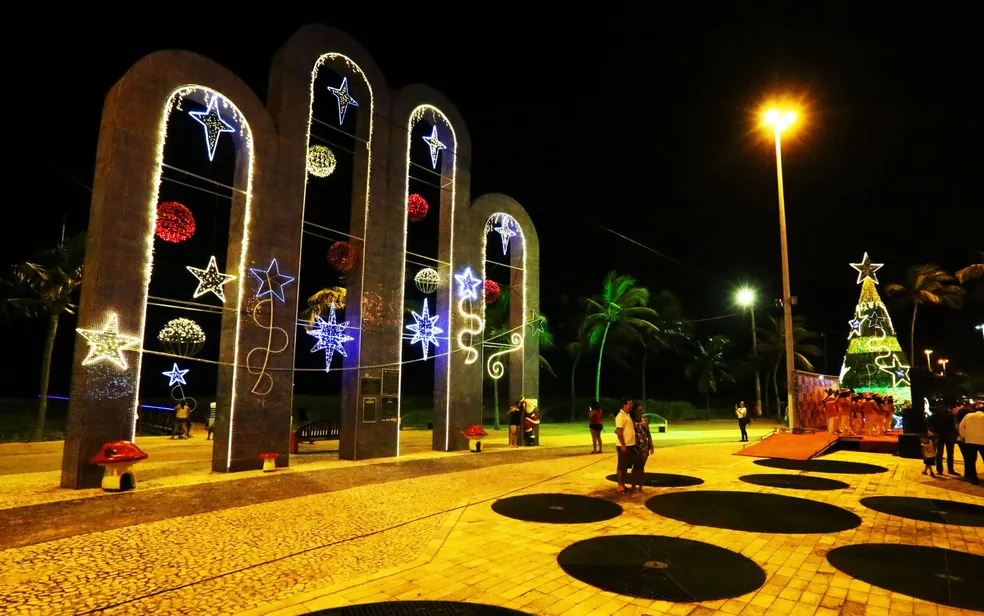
867 269
108 344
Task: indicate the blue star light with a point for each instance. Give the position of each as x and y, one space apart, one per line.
425 330
899 372
467 284
344 99
213 124
176 376
435 146
875 320
506 231
855 326
272 282
331 336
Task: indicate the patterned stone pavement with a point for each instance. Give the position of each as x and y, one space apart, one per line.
437 537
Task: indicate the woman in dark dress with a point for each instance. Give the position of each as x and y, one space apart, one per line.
596 425
644 447
515 422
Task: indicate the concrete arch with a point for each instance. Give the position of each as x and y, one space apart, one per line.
524 366
121 231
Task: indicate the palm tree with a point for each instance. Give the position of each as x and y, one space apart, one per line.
47 288
706 364
772 350
971 272
926 284
669 329
621 305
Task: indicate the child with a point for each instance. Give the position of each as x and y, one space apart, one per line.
928 453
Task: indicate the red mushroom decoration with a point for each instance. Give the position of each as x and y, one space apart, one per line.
492 291
118 459
269 461
342 256
475 434
174 222
416 208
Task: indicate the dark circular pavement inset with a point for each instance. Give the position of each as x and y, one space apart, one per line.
557 508
932 574
752 512
666 480
838 467
794 482
662 568
419 608
927 509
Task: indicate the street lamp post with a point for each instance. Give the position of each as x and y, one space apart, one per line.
980 327
746 298
929 364
943 362
779 122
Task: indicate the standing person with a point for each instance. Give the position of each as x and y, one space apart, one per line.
596 425
830 410
871 412
972 432
742 413
530 421
844 408
210 422
515 422
643 448
942 423
928 453
625 432
181 414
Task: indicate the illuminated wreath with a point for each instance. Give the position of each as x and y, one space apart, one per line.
174 222
342 256
416 207
492 291
320 161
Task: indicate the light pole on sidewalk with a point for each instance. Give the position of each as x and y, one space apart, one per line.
746 299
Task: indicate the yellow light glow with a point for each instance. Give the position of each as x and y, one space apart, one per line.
471 354
779 120
745 297
108 344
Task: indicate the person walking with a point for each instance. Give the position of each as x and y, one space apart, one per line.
971 430
181 414
625 433
210 422
928 453
643 448
596 425
941 422
742 413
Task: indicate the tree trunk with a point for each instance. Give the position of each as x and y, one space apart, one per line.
707 400
912 335
577 358
49 347
495 403
601 355
645 356
767 406
775 387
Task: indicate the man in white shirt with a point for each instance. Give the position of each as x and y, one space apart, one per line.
972 433
742 414
625 431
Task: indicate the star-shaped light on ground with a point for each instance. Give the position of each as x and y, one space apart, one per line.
467 284
108 343
272 282
210 280
425 330
344 99
875 320
435 146
176 376
506 231
899 372
331 336
213 124
867 269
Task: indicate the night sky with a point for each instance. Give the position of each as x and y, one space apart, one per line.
642 124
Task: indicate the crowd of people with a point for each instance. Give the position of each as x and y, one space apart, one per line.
958 424
523 418
849 412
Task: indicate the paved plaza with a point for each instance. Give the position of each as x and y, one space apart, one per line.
329 534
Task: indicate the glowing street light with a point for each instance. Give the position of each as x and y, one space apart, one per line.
943 362
980 327
780 120
746 299
929 365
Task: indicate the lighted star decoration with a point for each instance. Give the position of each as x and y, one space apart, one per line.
855 326
176 376
272 282
425 330
867 269
210 280
506 231
435 146
331 336
213 124
538 325
345 99
875 320
467 284
899 372
108 343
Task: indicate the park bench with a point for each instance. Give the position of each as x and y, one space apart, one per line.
656 422
324 430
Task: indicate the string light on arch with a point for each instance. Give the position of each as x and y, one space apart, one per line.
107 344
176 376
505 226
435 145
345 100
210 280
425 330
213 124
272 282
321 161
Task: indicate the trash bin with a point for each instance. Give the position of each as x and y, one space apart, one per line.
118 459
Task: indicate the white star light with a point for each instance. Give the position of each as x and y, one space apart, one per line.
867 269
875 320
899 372
344 99
176 376
855 327
213 124
210 280
467 284
272 282
331 336
425 329
435 145
108 343
505 230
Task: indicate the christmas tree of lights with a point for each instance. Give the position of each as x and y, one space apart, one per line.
874 360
